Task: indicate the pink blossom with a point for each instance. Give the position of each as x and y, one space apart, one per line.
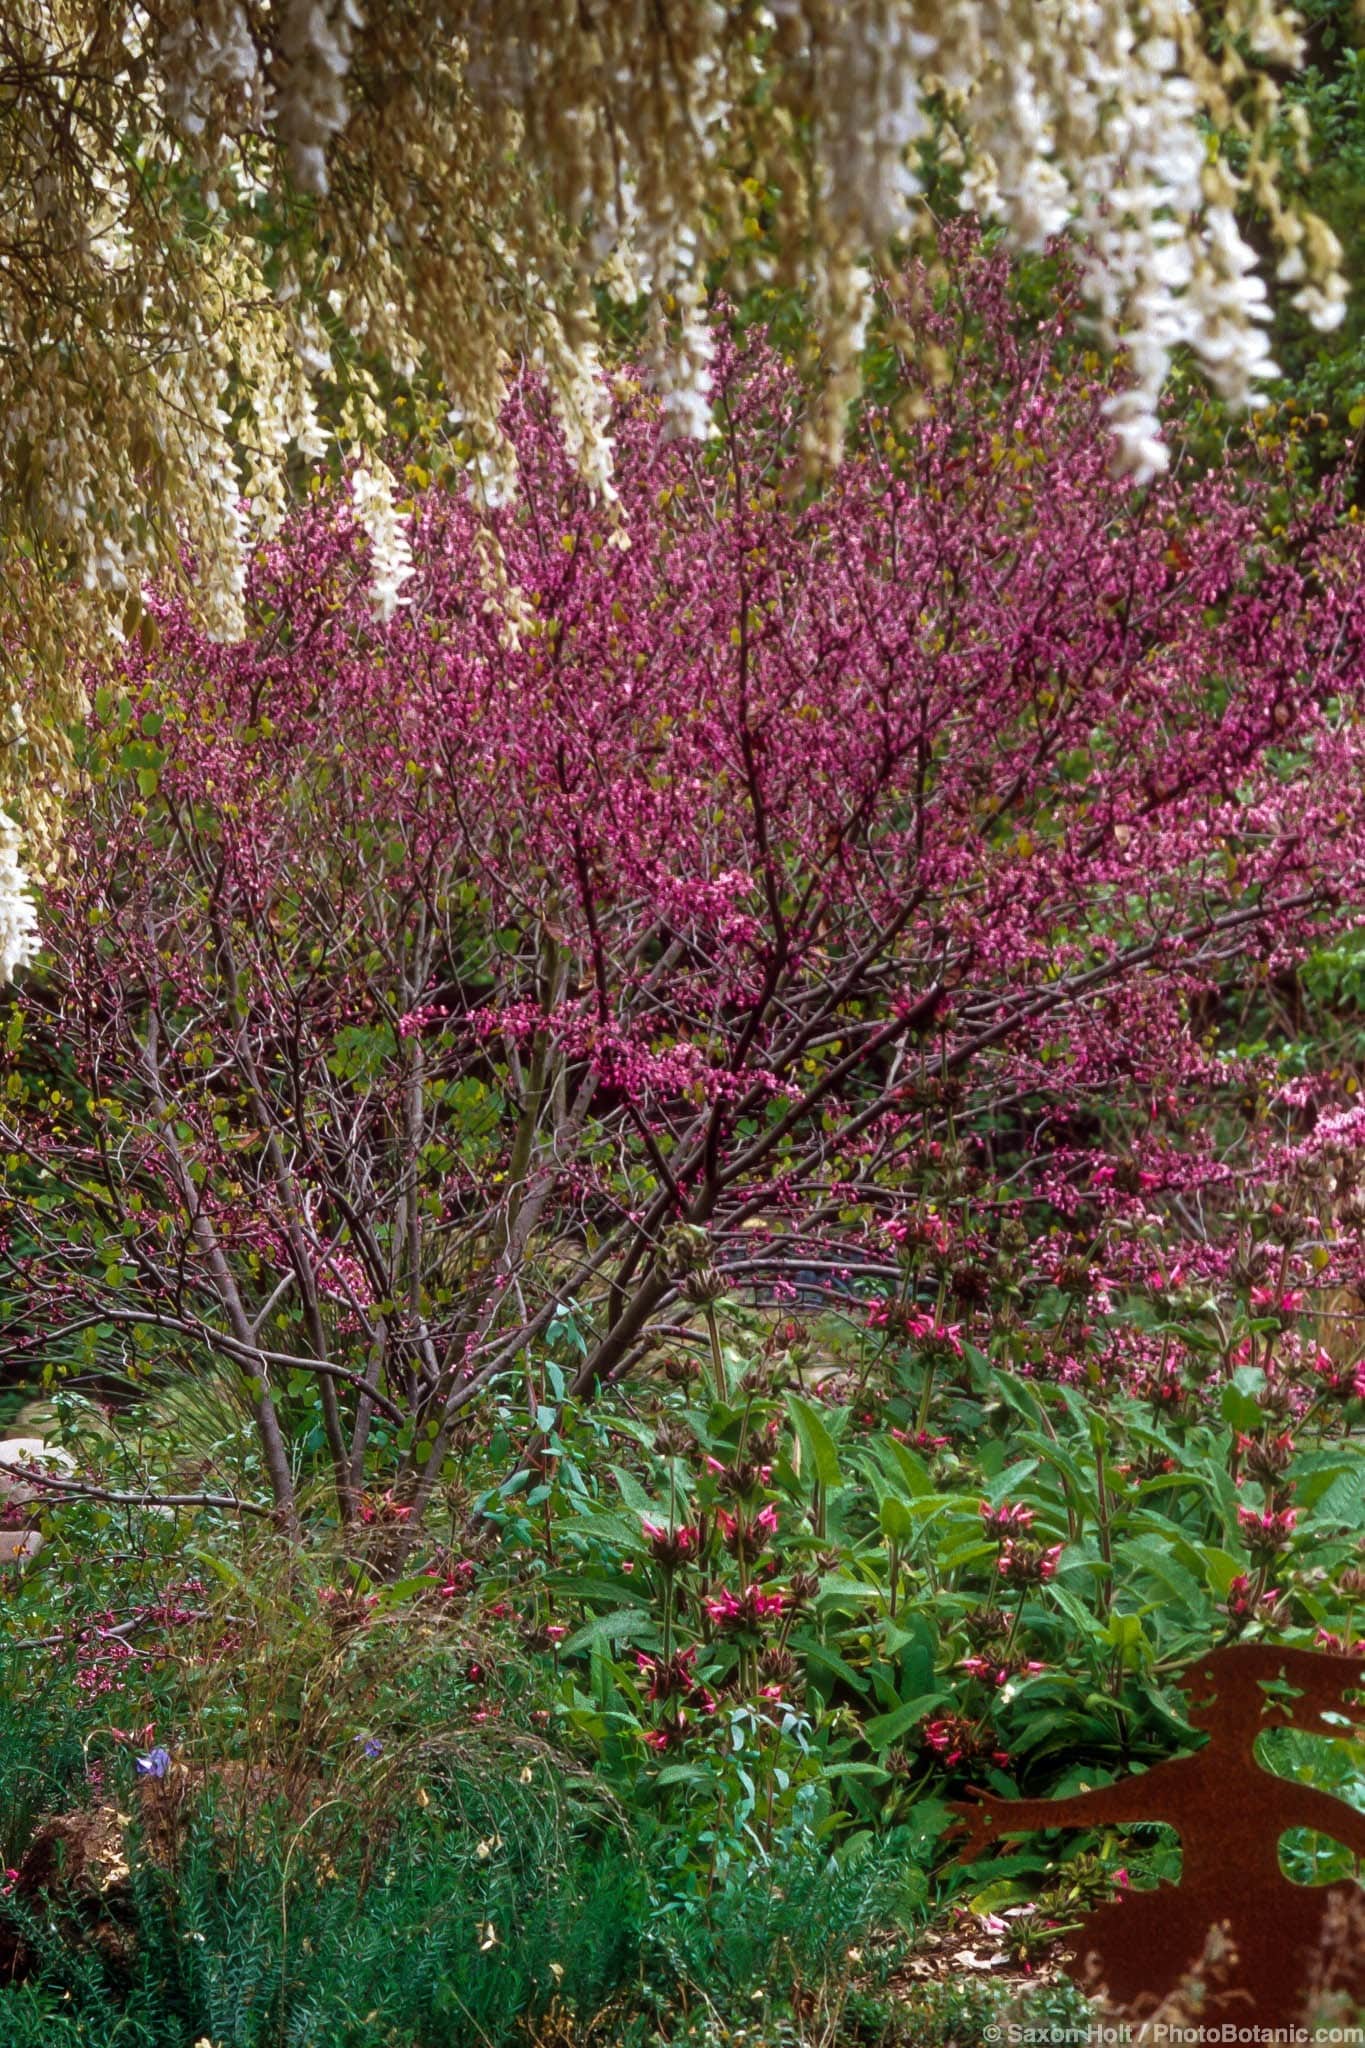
1005 1520
747 1609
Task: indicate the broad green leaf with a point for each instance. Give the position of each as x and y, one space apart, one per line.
912 1469
819 1459
1151 1556
898 1524
1344 1500
632 1493
1220 1567
620 1626
819 1653
1239 1410
884 1729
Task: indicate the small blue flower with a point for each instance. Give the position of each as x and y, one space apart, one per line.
155 1764
372 1746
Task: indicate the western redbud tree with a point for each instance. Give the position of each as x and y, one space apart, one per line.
659 899
233 231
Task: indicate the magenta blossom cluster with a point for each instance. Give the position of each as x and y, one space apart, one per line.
1267 1530
1028 1564
672 1547
747 1537
956 1740
748 1608
675 1678
998 1672
916 1326
1006 1520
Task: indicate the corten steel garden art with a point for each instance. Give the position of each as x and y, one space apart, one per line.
1278 1945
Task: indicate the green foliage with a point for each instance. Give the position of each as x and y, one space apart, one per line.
484 1910
272 1942
372 1842
759 1637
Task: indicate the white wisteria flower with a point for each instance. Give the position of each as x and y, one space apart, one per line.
372 495
18 918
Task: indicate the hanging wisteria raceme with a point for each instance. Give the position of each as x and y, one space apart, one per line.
372 494
18 917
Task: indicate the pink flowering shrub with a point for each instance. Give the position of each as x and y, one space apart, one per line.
719 889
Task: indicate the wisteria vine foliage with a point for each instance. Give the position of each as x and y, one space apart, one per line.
721 892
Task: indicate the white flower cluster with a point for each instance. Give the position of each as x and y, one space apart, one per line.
872 56
210 67
508 604
18 920
1093 114
311 105
682 355
584 404
372 495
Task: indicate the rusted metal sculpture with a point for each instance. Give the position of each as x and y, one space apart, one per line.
1285 1939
